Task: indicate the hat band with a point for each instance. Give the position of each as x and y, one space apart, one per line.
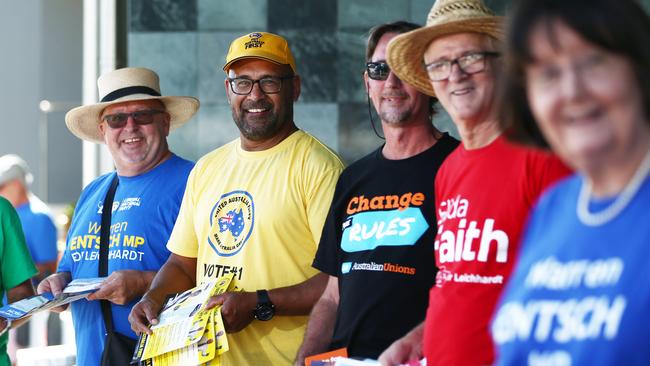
119 93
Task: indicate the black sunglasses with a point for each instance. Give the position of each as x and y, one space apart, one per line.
378 70
118 120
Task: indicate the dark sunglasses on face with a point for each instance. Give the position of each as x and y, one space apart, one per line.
378 70
118 120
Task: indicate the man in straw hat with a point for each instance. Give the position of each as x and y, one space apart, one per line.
484 190
391 188
133 120
255 208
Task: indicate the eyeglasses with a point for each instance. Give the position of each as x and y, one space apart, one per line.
471 63
378 70
268 85
118 120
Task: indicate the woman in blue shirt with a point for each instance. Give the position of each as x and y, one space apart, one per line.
580 292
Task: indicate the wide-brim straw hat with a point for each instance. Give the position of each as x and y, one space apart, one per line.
124 85
405 52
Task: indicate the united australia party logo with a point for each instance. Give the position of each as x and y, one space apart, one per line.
231 222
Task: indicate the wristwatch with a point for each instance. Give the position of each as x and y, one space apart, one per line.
265 309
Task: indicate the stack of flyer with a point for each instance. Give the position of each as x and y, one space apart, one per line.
77 289
187 333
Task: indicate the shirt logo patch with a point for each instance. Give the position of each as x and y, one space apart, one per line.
372 229
345 267
444 275
231 223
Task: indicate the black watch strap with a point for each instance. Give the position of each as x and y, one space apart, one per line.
263 297
265 309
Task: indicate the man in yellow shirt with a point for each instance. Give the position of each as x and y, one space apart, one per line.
254 207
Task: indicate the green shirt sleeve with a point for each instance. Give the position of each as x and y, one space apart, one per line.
16 265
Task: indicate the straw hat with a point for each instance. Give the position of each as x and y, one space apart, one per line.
405 52
123 85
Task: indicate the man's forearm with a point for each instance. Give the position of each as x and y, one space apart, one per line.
417 333
298 299
320 328
22 291
45 269
176 275
146 278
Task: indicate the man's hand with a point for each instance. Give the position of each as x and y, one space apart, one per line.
121 287
55 284
144 313
175 276
236 309
405 349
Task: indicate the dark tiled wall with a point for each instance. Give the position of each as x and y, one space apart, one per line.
186 41
162 15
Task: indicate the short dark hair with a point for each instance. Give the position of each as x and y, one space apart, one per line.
619 26
375 33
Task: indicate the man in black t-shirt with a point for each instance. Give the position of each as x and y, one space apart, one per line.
377 242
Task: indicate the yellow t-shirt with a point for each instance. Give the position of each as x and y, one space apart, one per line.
258 215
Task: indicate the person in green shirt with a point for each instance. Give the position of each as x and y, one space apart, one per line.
16 268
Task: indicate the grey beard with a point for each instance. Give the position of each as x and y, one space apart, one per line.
395 117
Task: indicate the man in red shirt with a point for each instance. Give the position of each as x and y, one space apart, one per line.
484 190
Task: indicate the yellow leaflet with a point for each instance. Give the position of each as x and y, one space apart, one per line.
220 333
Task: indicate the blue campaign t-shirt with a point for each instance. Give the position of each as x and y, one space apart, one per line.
579 295
144 211
40 231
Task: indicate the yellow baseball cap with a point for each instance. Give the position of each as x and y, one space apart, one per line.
262 45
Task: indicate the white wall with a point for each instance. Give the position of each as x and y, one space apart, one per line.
41 58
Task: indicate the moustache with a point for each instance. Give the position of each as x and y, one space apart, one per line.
257 105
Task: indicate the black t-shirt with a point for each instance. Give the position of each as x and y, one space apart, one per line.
378 240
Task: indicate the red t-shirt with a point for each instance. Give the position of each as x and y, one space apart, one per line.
483 197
